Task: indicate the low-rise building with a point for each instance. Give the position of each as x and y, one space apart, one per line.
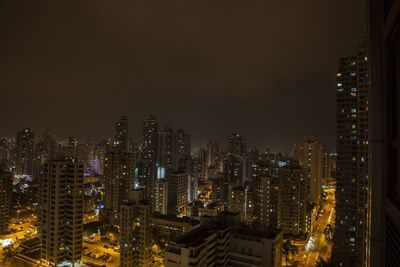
169 227
222 242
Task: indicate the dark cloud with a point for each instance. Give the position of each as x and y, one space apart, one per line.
264 68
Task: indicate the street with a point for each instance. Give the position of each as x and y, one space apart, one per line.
318 246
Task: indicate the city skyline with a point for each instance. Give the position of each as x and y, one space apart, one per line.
204 77
200 133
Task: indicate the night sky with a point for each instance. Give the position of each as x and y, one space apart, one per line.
265 68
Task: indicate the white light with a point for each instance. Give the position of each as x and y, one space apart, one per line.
6 242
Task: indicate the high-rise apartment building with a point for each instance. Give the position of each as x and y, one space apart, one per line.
293 199
160 196
241 200
233 169
309 153
166 147
24 152
212 153
182 149
6 150
5 197
236 145
119 179
121 139
220 189
135 231
177 193
266 190
61 213
352 182
148 159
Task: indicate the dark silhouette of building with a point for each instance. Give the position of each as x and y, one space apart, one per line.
24 152
384 100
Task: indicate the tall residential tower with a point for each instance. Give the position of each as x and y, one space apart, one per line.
352 160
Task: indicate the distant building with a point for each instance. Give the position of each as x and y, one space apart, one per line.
135 231
234 172
24 152
5 197
166 148
220 189
211 210
193 186
160 196
293 200
266 194
6 150
121 139
169 227
118 176
61 213
309 153
177 193
212 153
241 200
148 159
236 145
182 149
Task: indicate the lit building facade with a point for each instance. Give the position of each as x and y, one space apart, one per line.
309 153
160 196
293 200
61 213
5 197
135 231
118 176
350 240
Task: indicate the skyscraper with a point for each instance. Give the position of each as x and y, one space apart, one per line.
160 196
212 153
24 152
61 213
309 153
45 149
293 199
148 159
182 149
237 145
121 139
135 231
166 142
266 196
119 178
177 193
352 160
5 197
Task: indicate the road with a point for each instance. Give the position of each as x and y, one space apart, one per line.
318 246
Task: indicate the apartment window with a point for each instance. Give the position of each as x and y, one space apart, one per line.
394 92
